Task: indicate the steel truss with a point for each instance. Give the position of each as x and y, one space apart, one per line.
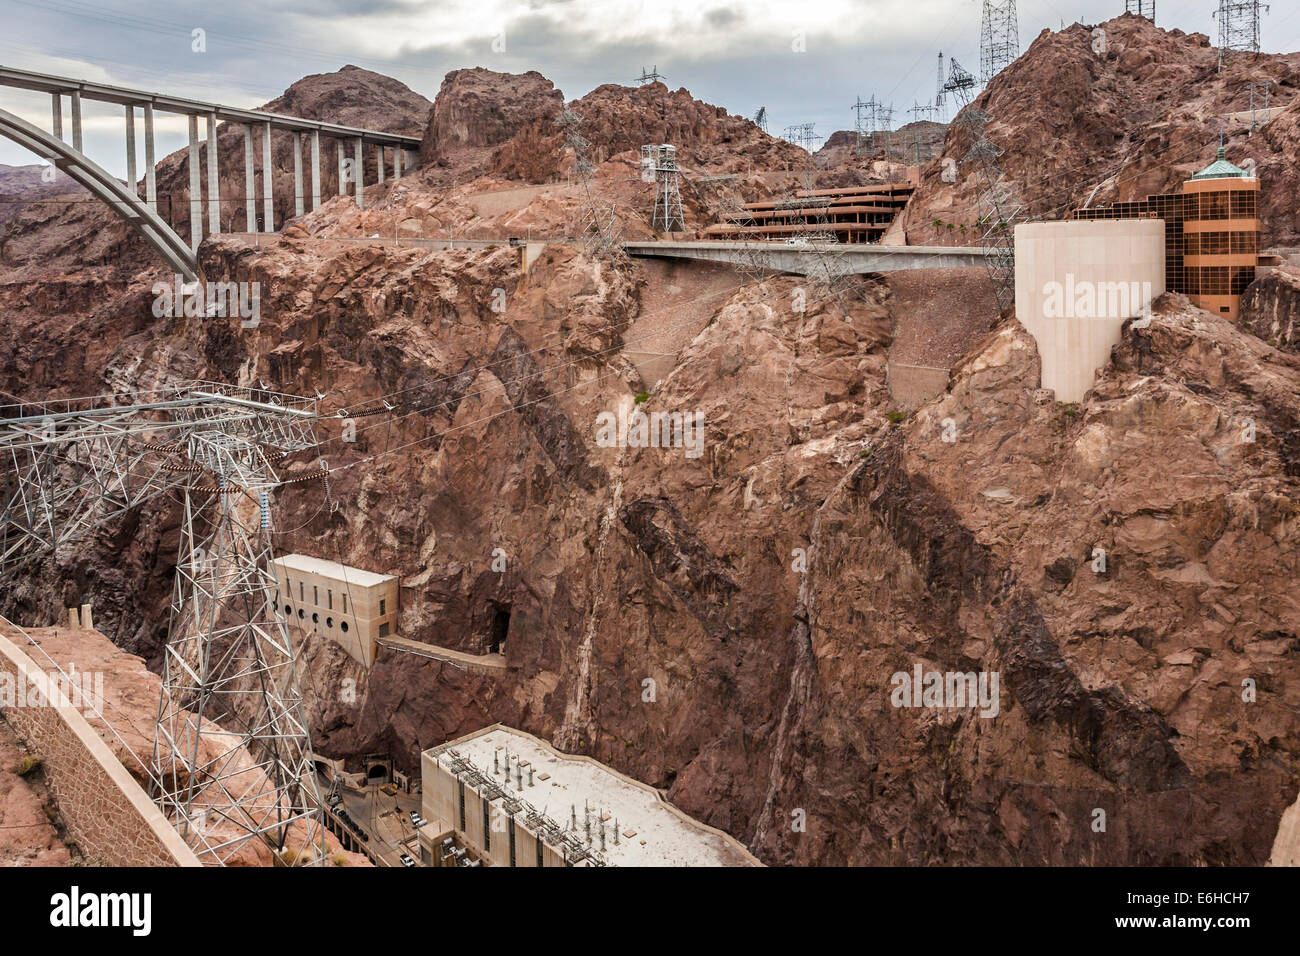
232 759
661 160
600 226
1000 207
999 37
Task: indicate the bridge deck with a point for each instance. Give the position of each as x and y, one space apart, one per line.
858 258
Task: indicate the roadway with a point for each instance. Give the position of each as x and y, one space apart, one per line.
856 258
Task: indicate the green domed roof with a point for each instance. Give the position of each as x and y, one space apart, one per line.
1221 169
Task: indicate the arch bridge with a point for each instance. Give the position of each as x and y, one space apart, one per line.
141 214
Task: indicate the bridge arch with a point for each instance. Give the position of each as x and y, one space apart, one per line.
106 188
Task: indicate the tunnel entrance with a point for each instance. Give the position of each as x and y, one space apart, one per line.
499 630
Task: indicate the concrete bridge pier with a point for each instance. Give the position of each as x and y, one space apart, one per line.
150 177
359 170
315 169
214 181
268 206
297 174
130 147
75 97
250 183
196 186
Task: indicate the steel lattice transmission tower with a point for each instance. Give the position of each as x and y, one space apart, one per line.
999 37
600 229
999 206
659 163
1238 27
940 97
1143 8
760 118
1259 109
920 111
232 760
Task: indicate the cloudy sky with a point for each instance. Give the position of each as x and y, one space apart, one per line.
805 60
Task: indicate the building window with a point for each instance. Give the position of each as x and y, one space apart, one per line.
345 604
330 595
539 849
487 826
315 618
329 622
511 825
383 606
383 629
315 595
344 625
302 591
460 784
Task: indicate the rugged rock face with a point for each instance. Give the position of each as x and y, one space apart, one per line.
1270 308
621 119
979 555
20 185
727 626
912 143
1138 119
481 108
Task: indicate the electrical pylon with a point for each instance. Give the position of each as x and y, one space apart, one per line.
999 206
661 160
232 760
999 37
600 227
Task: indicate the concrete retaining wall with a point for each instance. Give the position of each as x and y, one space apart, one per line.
914 385
106 813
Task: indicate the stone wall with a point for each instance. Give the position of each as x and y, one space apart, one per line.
914 385
106 813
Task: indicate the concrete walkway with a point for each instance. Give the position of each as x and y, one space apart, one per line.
483 663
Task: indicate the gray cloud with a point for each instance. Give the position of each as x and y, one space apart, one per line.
737 56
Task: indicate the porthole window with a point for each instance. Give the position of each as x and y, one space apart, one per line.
329 622
301 613
344 625
315 618
287 609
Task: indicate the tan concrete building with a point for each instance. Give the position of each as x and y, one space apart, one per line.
1076 284
351 606
507 798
